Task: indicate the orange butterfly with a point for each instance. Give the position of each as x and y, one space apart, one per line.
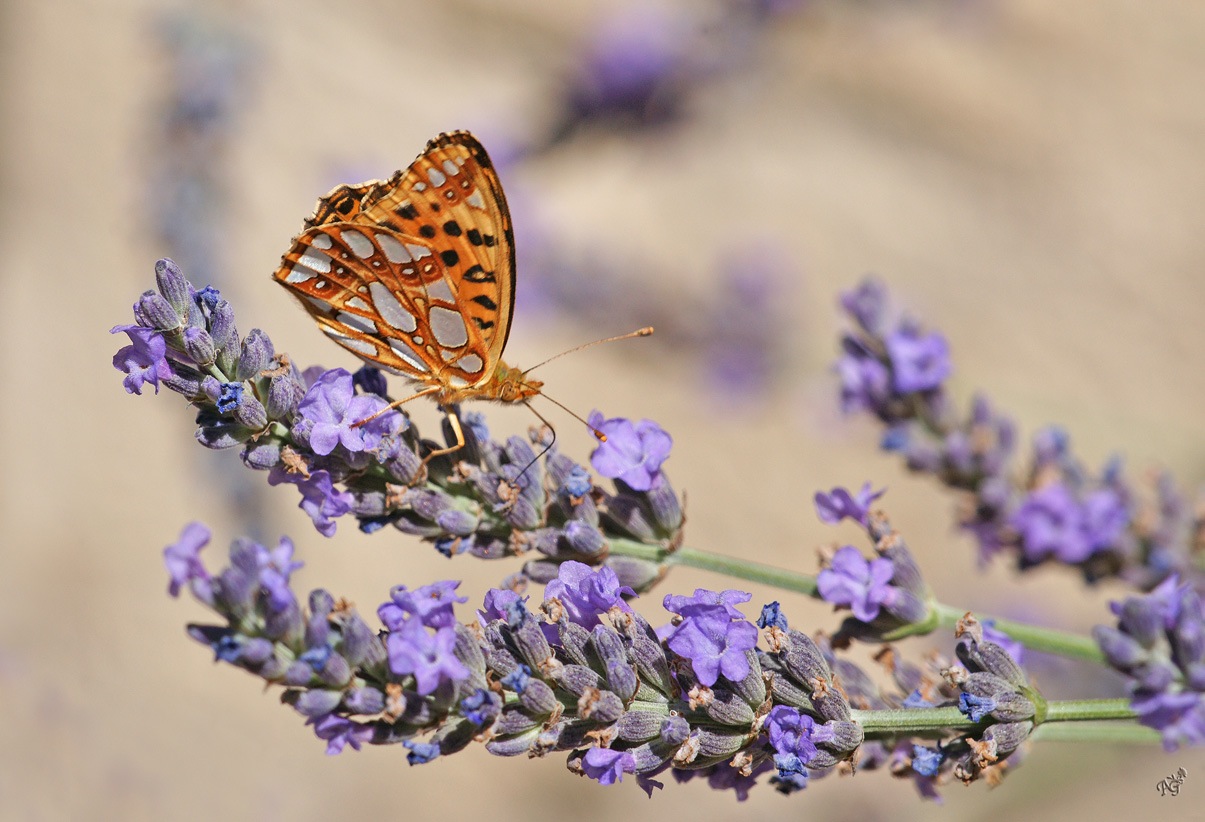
416 275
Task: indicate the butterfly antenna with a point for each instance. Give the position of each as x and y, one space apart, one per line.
647 331
547 447
599 435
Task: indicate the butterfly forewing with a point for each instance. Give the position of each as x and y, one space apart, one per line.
415 274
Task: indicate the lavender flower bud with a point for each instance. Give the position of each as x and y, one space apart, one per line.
652 666
186 381
222 434
262 455
717 746
316 702
250 413
153 311
364 701
199 346
990 657
1008 736
576 641
638 574
515 745
172 285
786 692
729 709
457 522
284 393
362 647
752 688
639 726
605 707
538 698
468 651
225 336
621 677
674 730
255 355
663 502
626 513
532 645
515 721
803 660
584 538
576 679
830 703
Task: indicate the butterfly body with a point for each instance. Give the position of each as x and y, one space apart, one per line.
416 274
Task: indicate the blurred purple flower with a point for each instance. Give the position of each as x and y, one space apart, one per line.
184 564
1052 522
865 381
918 363
838 504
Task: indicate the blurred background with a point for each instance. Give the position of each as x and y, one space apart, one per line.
1025 176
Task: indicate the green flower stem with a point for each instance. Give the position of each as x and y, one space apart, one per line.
1079 710
720 564
1047 640
922 720
911 720
1102 732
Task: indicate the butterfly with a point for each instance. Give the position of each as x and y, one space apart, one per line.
416 275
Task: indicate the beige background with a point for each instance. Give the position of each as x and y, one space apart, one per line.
1027 176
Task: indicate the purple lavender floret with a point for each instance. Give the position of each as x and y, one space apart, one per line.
633 452
329 413
144 360
839 504
857 583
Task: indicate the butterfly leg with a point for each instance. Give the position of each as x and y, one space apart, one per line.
424 393
457 431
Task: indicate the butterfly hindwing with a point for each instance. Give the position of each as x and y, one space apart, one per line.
451 198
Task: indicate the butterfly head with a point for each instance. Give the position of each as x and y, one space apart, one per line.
511 385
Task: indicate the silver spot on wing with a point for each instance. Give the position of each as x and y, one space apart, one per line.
448 327
390 309
360 245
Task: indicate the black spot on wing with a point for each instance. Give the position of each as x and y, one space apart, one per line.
474 236
452 228
485 301
408 211
427 231
450 257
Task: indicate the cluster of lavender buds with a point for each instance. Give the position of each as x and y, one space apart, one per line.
489 499
707 695
587 674
1053 510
